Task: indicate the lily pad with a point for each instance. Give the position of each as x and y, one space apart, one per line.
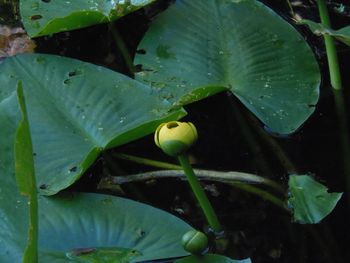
116 226
342 34
69 228
198 48
47 17
310 200
76 110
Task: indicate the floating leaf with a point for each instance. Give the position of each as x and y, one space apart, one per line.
210 258
47 17
68 225
114 226
71 231
342 34
198 48
310 200
25 177
76 110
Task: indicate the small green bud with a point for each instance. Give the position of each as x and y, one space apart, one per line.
194 242
175 137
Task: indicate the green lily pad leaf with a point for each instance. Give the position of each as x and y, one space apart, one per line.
114 226
25 177
76 110
210 258
68 224
198 48
342 34
310 200
47 17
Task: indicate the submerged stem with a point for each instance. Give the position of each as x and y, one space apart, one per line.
122 48
242 181
146 161
263 194
337 92
218 176
332 56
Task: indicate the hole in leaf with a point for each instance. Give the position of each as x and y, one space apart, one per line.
311 106
46 1
40 60
138 68
141 51
172 124
36 17
74 73
67 81
73 169
83 251
43 186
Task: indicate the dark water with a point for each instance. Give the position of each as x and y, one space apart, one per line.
232 140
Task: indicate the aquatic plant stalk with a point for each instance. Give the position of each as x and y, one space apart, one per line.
173 171
252 124
122 48
291 8
332 56
113 182
337 91
243 181
200 195
263 194
146 161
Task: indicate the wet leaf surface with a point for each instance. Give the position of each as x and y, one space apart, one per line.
196 49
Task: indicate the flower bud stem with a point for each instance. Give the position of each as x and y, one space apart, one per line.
332 56
200 195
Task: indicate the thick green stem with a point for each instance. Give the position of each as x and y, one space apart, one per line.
338 95
200 195
330 47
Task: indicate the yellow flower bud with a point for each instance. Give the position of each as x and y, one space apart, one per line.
175 137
